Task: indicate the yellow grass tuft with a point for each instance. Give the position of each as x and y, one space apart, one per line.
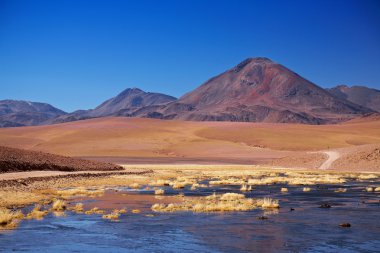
95 210
80 191
78 208
227 202
269 203
160 182
36 213
306 189
134 186
112 216
284 189
244 188
341 190
136 211
59 205
367 176
9 219
159 192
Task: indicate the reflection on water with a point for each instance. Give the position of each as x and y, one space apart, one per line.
306 229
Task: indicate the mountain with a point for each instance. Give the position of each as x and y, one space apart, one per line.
123 104
23 113
360 95
258 90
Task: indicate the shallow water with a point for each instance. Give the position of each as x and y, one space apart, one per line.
306 229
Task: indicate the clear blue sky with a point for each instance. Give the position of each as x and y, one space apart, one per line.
76 54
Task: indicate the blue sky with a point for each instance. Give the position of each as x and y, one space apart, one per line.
76 54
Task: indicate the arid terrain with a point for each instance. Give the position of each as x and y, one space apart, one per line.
132 140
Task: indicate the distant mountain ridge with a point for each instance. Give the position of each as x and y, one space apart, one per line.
24 113
360 95
129 100
258 90
255 90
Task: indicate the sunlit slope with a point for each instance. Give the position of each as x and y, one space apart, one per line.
133 137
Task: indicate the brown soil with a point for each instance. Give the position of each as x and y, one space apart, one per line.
360 158
300 160
15 160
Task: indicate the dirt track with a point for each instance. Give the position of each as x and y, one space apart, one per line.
332 157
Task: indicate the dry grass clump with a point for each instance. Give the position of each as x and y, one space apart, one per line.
284 189
367 176
268 180
94 210
341 190
229 181
120 211
78 208
268 203
306 189
112 216
227 202
182 182
136 211
245 188
377 189
9 219
159 192
370 189
80 191
37 213
160 182
134 186
19 198
59 205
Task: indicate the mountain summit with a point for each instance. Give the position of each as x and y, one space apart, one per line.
24 113
259 90
127 101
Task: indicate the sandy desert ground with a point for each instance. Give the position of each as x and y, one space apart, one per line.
131 140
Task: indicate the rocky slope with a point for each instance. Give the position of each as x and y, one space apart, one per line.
14 160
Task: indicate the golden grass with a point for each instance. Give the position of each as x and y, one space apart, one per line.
78 208
11 198
37 213
306 189
160 182
112 216
370 189
9 219
94 210
136 211
367 176
227 202
341 190
159 192
134 186
269 203
59 205
79 191
284 189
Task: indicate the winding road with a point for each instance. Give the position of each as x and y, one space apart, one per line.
332 156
